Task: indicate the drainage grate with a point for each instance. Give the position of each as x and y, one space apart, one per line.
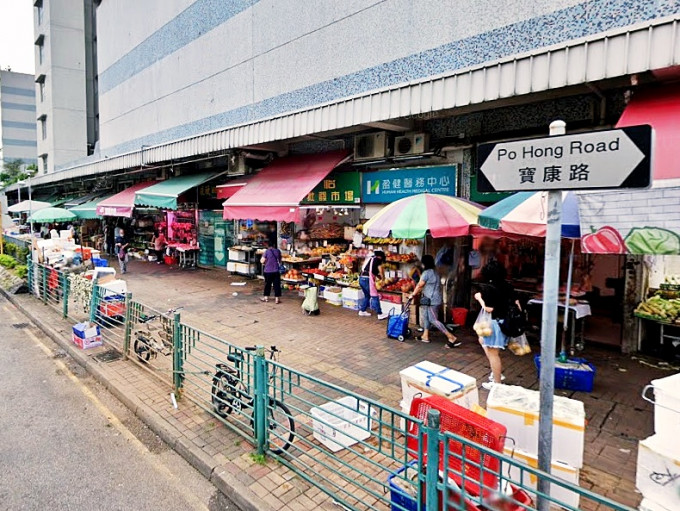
109 356
20 325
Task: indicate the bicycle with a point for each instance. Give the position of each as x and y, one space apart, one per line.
230 394
156 338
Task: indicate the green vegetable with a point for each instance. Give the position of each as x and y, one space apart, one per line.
652 240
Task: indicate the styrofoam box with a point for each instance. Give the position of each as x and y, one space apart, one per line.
231 266
386 307
530 481
650 505
667 409
237 255
341 423
333 296
352 293
517 409
657 472
349 303
427 379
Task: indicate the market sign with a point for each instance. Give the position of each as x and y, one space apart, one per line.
619 158
336 188
385 186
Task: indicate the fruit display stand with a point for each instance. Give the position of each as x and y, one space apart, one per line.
662 309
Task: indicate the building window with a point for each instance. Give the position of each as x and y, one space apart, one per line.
41 87
43 126
43 160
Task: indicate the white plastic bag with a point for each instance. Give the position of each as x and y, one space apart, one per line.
483 326
519 345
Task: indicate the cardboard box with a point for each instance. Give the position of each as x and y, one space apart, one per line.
530 481
517 409
86 335
427 379
657 472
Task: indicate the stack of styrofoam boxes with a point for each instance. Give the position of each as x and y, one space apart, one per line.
333 295
517 409
427 379
351 298
658 465
341 423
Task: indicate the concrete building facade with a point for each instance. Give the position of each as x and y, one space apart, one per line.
63 58
17 118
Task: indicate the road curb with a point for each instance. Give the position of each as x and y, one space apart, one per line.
241 495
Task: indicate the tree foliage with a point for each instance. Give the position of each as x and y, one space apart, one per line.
14 171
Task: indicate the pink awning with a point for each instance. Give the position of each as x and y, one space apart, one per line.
276 191
123 203
660 108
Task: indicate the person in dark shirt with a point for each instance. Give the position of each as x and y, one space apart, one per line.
495 297
271 261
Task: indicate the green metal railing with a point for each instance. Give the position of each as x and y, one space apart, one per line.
363 454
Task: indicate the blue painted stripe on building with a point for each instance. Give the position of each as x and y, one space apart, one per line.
196 20
17 106
22 143
30 93
570 23
19 125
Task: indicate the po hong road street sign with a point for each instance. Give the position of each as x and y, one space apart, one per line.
619 158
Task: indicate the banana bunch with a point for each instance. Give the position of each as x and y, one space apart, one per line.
382 241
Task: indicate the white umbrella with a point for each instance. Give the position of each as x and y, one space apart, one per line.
28 205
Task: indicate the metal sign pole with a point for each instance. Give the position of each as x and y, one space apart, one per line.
551 285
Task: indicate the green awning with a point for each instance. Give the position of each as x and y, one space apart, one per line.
164 194
88 211
58 203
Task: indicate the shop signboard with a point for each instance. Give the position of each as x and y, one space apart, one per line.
336 188
619 158
385 186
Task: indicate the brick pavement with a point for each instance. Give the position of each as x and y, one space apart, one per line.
342 348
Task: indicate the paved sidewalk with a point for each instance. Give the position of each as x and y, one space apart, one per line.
339 347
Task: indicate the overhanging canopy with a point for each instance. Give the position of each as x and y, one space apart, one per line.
275 193
123 203
88 210
165 194
228 189
28 205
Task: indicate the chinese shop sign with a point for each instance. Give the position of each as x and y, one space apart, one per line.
336 188
618 158
387 186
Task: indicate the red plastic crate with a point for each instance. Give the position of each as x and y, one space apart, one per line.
470 425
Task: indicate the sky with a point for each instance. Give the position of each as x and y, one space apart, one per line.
16 36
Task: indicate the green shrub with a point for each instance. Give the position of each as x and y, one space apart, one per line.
22 254
10 249
7 261
21 271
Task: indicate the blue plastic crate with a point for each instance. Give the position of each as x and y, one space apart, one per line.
571 379
402 501
98 262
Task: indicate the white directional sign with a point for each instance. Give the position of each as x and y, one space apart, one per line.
618 158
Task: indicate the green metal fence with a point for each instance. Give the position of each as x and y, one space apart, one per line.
362 453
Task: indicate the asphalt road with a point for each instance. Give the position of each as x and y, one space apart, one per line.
67 444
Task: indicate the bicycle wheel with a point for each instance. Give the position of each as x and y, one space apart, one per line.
142 349
227 394
281 426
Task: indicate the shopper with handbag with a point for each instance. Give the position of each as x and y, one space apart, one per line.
431 302
495 298
272 263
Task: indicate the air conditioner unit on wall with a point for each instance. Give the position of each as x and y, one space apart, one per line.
411 143
370 146
237 165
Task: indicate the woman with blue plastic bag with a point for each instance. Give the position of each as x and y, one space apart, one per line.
495 299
